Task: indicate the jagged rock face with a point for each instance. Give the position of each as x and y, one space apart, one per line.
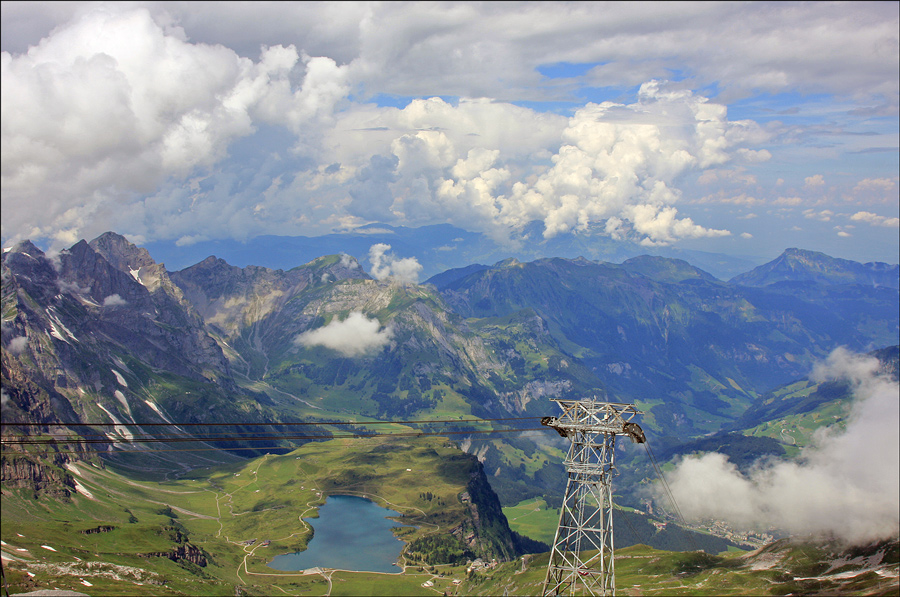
260 313
486 530
21 471
232 298
81 301
120 253
69 324
183 553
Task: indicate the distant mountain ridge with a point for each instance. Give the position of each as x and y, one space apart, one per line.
438 248
799 265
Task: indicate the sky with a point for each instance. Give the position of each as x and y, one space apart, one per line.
739 128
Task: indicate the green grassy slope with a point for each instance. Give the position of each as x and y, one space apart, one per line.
187 535
782 568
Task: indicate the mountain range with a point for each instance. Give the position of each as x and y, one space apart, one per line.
437 248
101 332
157 373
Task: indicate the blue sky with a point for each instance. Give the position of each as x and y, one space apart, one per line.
742 128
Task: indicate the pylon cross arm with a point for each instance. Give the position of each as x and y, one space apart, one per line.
581 416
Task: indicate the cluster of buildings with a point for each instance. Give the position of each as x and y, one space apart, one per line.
751 538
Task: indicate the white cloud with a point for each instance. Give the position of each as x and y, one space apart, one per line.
348 261
387 266
846 483
353 337
823 216
736 175
113 104
814 181
875 220
746 235
788 201
464 49
195 121
610 161
114 300
873 191
18 344
880 184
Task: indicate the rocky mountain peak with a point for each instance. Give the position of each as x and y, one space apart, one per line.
27 247
665 269
511 262
121 253
801 265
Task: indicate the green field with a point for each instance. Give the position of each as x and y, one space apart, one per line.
116 536
216 510
534 519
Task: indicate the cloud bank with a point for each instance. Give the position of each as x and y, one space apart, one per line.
846 484
198 121
355 336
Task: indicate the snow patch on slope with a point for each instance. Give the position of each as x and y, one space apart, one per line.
119 378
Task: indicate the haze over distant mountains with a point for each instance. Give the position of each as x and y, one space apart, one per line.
437 248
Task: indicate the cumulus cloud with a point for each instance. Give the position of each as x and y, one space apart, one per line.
348 261
873 191
610 168
846 483
18 344
824 215
113 104
788 201
880 184
147 127
353 337
619 163
387 266
814 181
114 300
460 49
875 220
188 122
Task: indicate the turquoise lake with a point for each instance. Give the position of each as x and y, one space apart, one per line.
351 533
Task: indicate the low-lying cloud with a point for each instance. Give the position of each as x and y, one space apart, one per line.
114 300
353 337
387 266
846 484
18 344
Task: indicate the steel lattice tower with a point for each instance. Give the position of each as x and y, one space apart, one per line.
581 561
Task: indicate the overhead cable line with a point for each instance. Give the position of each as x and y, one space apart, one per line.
32 440
405 434
103 437
301 423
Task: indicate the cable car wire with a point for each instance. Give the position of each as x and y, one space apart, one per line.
404 434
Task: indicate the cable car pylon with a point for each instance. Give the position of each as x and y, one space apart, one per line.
582 559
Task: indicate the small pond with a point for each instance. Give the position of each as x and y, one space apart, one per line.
351 533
